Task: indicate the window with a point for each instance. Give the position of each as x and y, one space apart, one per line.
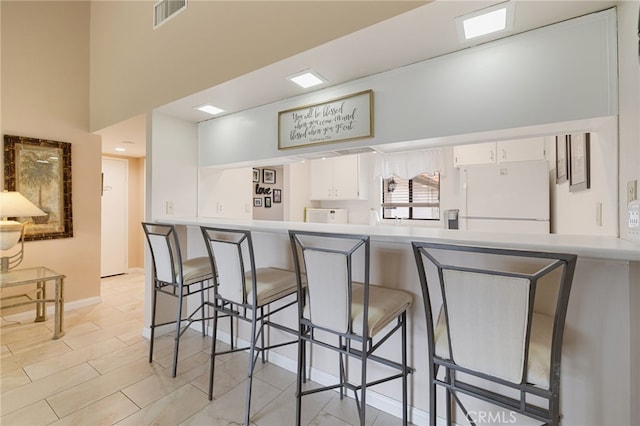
417 198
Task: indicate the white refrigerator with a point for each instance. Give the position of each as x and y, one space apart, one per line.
507 197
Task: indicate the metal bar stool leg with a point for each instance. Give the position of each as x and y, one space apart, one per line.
154 298
177 338
213 350
251 368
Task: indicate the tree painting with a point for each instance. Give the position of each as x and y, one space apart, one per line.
41 171
37 172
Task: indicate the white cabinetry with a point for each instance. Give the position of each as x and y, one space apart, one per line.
335 178
499 152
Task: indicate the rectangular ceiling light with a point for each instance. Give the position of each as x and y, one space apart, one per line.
210 109
306 79
486 21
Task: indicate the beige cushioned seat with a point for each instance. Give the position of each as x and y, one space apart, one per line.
328 297
385 304
273 283
196 270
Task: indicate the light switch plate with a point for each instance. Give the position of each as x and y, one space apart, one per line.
632 190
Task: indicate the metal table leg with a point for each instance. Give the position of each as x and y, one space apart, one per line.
41 296
58 331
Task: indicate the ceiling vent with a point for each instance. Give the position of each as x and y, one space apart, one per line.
167 9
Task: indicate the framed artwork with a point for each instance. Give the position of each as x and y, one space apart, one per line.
41 171
336 120
277 195
256 175
268 176
257 202
267 202
579 162
562 159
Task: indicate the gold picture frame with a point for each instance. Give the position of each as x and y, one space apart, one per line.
41 171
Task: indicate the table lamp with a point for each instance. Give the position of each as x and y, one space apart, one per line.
14 205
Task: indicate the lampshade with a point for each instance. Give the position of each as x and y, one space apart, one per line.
14 204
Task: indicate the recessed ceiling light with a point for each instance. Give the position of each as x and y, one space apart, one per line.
486 21
121 149
307 79
210 109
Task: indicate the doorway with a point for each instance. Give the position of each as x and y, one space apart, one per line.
113 258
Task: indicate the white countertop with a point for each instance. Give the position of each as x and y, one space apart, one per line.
598 247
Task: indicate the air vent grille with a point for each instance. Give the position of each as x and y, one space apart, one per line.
167 9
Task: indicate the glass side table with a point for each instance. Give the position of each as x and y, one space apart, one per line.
38 276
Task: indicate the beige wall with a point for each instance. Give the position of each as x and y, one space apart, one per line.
45 94
135 202
202 47
136 212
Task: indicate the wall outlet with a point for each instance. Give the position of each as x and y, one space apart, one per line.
632 190
169 207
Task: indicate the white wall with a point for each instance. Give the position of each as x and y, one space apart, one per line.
576 212
225 193
558 73
172 161
629 124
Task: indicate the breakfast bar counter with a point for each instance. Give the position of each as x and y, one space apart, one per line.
600 377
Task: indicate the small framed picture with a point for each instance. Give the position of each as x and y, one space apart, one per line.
268 176
562 159
257 202
267 202
277 196
579 162
256 175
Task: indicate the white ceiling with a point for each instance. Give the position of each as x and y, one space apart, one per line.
423 33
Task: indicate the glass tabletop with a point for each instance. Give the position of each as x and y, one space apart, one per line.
28 275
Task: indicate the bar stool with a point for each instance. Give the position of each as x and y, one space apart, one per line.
243 291
176 278
353 312
492 335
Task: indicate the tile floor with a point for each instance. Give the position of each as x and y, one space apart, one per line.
98 374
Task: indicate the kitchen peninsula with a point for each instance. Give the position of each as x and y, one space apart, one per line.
601 352
601 333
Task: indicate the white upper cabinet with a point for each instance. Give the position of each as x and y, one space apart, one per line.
477 153
335 178
499 152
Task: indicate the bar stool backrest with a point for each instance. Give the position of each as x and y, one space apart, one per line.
165 252
490 309
328 260
226 248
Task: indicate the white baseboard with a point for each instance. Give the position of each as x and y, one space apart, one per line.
50 308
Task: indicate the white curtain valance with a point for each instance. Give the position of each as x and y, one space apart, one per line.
407 165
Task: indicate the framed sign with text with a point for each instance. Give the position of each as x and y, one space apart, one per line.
337 120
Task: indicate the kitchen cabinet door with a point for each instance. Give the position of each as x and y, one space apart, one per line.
321 179
335 178
477 153
346 178
520 150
